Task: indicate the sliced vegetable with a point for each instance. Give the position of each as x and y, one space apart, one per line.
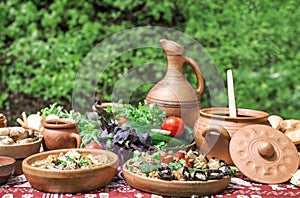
186 174
167 158
189 162
160 131
179 155
165 173
200 175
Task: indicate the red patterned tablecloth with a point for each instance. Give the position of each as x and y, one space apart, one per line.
240 187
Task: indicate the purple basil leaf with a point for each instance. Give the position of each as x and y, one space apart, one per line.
146 139
121 137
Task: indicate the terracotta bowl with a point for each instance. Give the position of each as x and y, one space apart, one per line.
174 187
20 152
7 168
70 181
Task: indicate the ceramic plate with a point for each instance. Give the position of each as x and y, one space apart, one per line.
174 187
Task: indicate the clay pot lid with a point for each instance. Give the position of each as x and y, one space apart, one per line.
263 154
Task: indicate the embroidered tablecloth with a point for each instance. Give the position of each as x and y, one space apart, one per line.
240 187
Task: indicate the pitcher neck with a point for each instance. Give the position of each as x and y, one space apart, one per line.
175 62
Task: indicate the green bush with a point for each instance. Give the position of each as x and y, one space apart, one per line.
44 44
257 40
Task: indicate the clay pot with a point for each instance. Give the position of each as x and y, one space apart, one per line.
7 168
174 94
3 121
214 129
60 133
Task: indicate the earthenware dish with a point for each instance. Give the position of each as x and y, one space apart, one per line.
21 151
70 181
174 187
7 168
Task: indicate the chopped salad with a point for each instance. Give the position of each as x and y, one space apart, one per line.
188 166
72 160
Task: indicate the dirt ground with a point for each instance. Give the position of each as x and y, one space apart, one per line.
19 103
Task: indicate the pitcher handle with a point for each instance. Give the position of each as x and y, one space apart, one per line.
200 80
77 138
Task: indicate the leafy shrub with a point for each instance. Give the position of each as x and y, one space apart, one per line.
44 43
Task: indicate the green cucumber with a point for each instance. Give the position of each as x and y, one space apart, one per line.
158 138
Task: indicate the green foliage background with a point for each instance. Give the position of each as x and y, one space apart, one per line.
43 44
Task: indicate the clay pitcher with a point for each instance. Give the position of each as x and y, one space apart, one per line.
174 94
214 129
60 133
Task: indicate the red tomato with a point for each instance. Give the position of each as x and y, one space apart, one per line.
179 155
93 145
175 125
189 162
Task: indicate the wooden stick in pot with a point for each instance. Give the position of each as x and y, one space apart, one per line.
231 97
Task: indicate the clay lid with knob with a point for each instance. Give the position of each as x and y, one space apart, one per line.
264 154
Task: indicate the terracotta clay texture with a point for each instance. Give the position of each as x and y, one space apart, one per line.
264 154
70 181
174 94
3 121
60 133
7 168
214 128
175 187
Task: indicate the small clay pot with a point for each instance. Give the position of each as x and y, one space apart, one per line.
7 168
214 129
3 121
60 133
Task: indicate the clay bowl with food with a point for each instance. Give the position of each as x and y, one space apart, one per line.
7 168
174 187
73 170
177 174
18 143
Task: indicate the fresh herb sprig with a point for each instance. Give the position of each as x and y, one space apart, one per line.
144 113
89 127
55 109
